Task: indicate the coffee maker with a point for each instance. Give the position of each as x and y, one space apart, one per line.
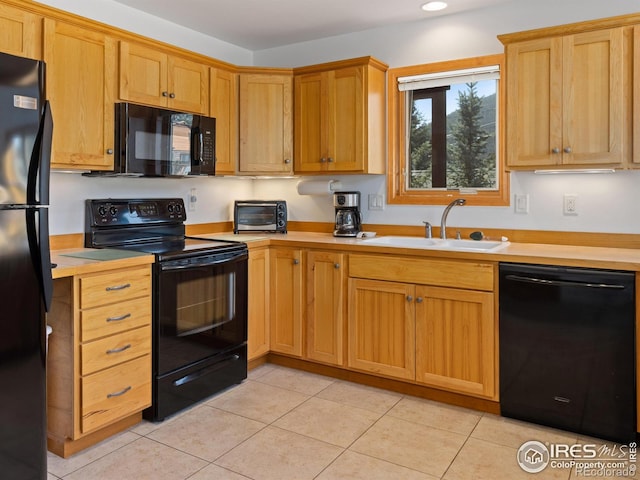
348 220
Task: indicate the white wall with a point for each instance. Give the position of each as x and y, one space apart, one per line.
605 202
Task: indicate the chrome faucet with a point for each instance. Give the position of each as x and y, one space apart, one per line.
443 222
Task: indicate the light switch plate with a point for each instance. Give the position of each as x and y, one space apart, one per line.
376 201
521 203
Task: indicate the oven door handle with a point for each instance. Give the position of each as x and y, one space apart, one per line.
204 262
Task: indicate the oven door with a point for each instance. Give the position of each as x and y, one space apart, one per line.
201 308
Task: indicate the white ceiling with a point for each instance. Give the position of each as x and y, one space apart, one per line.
261 24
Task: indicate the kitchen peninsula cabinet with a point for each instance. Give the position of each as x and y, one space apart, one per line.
99 362
20 33
223 95
81 67
258 303
285 287
566 99
266 123
339 120
325 306
436 327
153 77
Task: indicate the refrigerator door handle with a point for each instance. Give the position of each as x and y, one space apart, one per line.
40 163
38 236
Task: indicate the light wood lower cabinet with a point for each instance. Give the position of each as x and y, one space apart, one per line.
286 272
258 307
99 362
455 346
382 328
325 306
437 335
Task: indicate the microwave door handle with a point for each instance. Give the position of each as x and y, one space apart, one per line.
196 150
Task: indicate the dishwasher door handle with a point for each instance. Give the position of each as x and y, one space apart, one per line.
562 283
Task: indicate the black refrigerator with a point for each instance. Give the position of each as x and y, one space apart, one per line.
25 267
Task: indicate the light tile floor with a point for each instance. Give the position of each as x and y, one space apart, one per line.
287 424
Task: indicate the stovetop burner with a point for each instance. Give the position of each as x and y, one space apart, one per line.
146 225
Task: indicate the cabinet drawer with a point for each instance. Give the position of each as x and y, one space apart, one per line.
445 273
111 319
105 288
115 393
110 351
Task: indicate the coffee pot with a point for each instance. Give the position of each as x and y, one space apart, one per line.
348 219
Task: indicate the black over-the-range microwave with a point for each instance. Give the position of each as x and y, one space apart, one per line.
260 216
157 142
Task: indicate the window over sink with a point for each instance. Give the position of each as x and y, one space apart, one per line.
446 129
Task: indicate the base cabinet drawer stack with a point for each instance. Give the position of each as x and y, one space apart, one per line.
99 364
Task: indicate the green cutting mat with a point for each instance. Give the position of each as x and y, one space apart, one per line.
104 254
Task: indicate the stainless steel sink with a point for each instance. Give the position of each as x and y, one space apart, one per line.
436 243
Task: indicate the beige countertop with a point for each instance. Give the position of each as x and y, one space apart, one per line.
577 256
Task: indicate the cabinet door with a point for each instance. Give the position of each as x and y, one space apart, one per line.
593 98
266 125
143 75
224 107
534 105
258 307
325 306
310 132
285 299
188 84
455 340
80 87
346 128
20 33
381 327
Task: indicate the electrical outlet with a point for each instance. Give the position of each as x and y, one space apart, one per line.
521 203
570 204
376 201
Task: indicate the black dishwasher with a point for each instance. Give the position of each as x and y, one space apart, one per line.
567 349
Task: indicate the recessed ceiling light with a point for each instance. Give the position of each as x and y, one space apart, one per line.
434 6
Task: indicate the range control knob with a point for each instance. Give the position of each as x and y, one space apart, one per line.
113 211
102 211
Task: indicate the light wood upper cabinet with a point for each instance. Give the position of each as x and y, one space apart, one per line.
566 100
81 67
325 307
339 121
258 306
223 95
153 77
455 344
285 298
20 33
266 128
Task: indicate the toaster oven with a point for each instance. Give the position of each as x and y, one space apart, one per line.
260 216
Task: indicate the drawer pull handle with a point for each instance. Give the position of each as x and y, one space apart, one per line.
118 319
118 287
120 393
118 350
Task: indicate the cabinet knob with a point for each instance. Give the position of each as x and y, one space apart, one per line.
165 94
287 161
419 299
567 149
555 150
409 298
336 265
323 160
296 261
109 151
172 95
330 160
